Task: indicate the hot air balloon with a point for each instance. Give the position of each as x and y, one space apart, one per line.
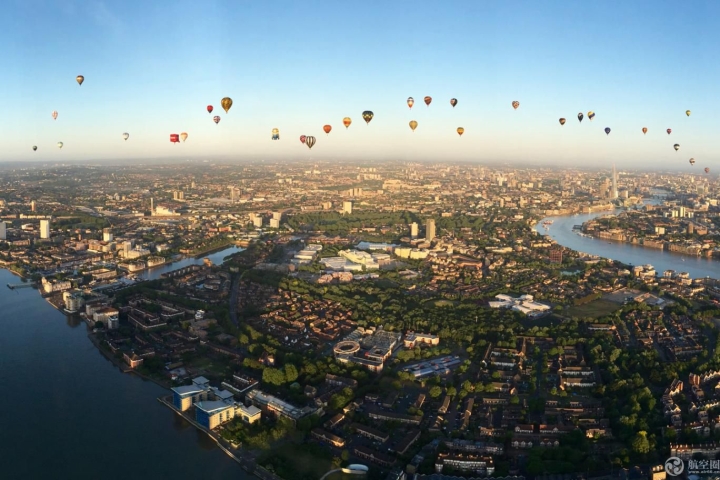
413 125
60 144
580 117
591 115
80 79
210 108
411 102
644 130
302 138
54 115
327 129
183 136
428 100
275 134
367 116
562 121
216 119
607 130
126 136
515 104
687 112
676 147
226 103
34 148
669 130
347 122
174 138
692 161
453 102
707 170
310 141
460 131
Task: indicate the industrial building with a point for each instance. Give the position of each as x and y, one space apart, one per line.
525 304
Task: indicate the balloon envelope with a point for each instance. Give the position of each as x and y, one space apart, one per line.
687 112
460 131
183 136
60 144
562 121
676 147
607 130
126 136
515 104
302 138
174 138
226 103
707 170
413 125
347 122
327 129
80 79
644 130
275 134
367 116
55 115
428 100
209 108
591 115
34 148
453 102
580 117
669 130
692 161
410 102
216 119
310 141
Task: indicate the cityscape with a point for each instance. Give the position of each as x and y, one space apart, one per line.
419 319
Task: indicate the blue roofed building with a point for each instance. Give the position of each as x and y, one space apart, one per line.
187 395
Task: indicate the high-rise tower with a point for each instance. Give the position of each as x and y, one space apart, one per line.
614 193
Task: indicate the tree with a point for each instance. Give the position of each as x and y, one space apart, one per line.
273 376
640 443
345 455
514 400
435 391
291 373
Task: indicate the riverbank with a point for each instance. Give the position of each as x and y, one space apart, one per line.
243 458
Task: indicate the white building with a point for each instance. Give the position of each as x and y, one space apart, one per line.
414 230
525 304
44 229
347 207
3 231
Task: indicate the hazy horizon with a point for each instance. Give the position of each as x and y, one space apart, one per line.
150 72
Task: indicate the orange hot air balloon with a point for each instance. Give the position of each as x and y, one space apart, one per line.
413 125
428 101
327 129
411 101
347 122
644 130
460 131
226 103
562 121
515 104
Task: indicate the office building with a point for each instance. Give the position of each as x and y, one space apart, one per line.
107 235
347 207
414 230
614 192
44 229
3 231
430 229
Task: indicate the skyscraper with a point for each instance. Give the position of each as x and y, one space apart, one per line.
614 193
430 229
44 229
413 230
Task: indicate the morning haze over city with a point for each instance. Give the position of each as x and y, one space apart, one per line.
361 240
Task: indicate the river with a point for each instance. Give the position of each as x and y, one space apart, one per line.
561 232
70 414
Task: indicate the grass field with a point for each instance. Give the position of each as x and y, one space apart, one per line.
595 309
299 461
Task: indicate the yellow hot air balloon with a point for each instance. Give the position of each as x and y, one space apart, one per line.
183 136
687 112
80 79
226 103
347 121
460 131
413 125
60 144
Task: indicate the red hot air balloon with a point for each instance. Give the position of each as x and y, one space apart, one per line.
174 138
669 130
216 119
302 138
209 108
327 129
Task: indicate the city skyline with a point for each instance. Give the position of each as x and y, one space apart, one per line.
305 67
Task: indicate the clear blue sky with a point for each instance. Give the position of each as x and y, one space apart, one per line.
151 67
